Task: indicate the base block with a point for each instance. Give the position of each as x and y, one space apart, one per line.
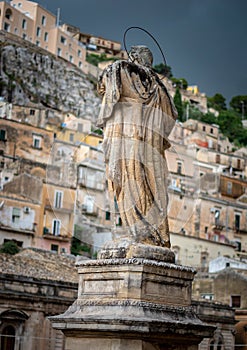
132 304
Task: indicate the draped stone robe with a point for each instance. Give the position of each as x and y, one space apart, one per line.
137 115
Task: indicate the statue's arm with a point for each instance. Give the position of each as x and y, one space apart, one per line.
101 87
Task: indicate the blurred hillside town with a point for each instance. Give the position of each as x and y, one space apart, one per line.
54 206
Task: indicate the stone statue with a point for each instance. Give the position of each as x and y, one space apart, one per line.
137 115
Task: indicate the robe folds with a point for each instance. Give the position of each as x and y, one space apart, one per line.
137 115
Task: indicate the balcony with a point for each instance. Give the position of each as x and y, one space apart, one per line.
49 235
68 209
18 230
87 210
240 231
218 225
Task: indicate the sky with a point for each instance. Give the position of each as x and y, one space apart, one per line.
204 41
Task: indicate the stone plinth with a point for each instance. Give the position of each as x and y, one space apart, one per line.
132 304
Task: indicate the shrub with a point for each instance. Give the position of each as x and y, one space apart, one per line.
10 247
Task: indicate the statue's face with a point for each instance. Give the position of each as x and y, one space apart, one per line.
141 55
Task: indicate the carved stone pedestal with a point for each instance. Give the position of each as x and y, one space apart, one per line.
132 304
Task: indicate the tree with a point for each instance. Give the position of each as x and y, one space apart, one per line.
239 104
217 102
231 126
163 69
77 248
180 82
178 104
10 247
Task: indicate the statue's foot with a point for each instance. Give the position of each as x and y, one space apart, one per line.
127 248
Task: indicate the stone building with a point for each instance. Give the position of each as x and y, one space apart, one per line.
20 210
221 315
33 23
21 140
38 190
228 286
34 284
207 185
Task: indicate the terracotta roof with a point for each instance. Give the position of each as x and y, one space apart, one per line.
40 264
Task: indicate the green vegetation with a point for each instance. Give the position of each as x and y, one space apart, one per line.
229 119
97 131
10 247
217 102
239 104
94 59
178 104
180 83
163 69
77 248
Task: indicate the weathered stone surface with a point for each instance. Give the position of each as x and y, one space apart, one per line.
139 299
126 248
30 74
41 264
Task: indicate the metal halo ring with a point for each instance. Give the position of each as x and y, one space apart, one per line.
144 30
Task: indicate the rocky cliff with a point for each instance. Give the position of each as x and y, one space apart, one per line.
30 74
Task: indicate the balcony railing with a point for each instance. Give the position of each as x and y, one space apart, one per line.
67 208
49 235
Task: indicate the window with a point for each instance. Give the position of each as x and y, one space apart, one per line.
237 221
217 216
204 261
211 130
2 135
236 301
8 14
54 247
207 296
36 142
63 40
43 20
59 51
80 127
211 345
179 167
16 214
71 58
46 35
6 27
58 199
8 338
80 64
24 24
204 128
217 158
38 32
56 226
89 203
107 215
24 36
229 188
119 221
79 53
71 137
32 111
37 42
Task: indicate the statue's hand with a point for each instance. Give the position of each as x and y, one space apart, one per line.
101 89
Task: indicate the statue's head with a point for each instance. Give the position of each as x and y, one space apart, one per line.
142 55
